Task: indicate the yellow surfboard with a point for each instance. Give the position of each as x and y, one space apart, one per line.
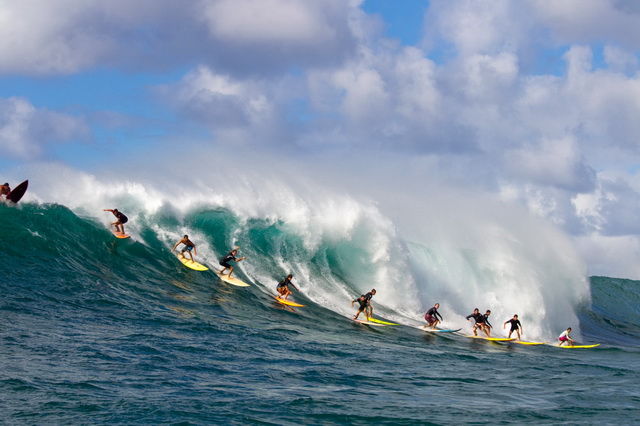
233 281
578 346
192 264
382 322
365 322
288 302
121 235
523 342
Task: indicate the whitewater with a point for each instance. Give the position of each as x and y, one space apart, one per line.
99 330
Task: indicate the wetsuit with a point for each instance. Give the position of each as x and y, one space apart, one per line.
485 320
121 217
479 318
225 260
515 324
364 300
283 284
432 315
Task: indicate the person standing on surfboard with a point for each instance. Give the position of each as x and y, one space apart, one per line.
487 324
5 190
515 326
365 304
228 258
283 287
432 317
188 246
122 219
479 319
564 337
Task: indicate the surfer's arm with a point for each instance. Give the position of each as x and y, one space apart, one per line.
176 245
242 258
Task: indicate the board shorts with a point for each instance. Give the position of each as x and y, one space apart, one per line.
429 318
187 248
225 264
563 338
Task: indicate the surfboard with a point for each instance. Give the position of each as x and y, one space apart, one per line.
365 322
523 342
577 346
288 302
192 264
493 339
377 321
16 194
437 330
233 281
121 235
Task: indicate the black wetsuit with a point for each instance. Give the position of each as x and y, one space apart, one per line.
225 260
121 217
284 283
515 324
433 312
364 300
479 318
485 320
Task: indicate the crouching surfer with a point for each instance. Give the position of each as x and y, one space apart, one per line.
431 317
365 304
228 258
188 246
122 219
479 322
564 337
283 287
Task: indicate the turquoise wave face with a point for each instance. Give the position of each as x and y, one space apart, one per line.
50 251
615 309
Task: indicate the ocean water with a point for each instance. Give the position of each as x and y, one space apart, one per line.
95 330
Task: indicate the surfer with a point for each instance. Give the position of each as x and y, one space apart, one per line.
122 219
188 246
5 190
515 326
283 287
365 304
432 317
479 321
228 258
487 324
564 337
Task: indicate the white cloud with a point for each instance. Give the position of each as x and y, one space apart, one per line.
249 36
26 132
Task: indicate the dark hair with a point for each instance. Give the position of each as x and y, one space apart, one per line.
186 236
488 311
290 276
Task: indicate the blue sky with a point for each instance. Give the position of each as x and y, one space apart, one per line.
535 101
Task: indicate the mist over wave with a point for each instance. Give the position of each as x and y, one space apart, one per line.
460 249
